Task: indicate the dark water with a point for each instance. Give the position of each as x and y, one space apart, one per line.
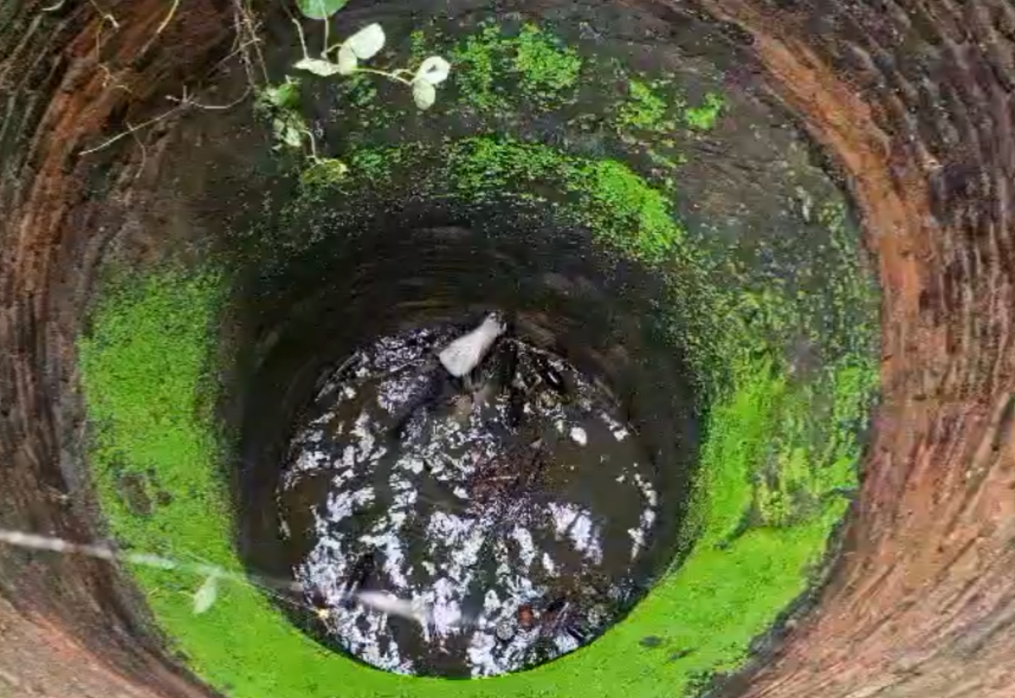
542 502
510 511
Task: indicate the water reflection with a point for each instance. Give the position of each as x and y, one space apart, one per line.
510 506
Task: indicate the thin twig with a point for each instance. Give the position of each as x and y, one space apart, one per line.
327 27
110 78
239 50
187 102
244 26
182 103
313 145
132 130
390 76
32 541
168 19
252 32
144 155
106 16
303 41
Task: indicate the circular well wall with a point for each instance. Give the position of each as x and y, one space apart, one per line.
919 298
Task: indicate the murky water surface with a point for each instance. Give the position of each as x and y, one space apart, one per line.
509 508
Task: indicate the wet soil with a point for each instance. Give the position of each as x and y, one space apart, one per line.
911 102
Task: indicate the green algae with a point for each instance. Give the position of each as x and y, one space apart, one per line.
644 109
536 64
705 116
548 71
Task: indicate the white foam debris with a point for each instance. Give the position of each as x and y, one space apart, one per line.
526 547
619 431
446 612
548 566
482 655
365 438
414 465
390 605
308 461
389 542
638 539
649 492
462 566
565 643
343 504
349 456
575 524
465 353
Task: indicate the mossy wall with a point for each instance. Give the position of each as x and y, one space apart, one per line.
773 308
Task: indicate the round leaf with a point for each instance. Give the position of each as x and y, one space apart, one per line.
366 42
434 70
424 94
320 9
346 60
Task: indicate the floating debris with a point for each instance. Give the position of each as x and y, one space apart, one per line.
506 630
391 605
464 354
550 374
204 598
436 547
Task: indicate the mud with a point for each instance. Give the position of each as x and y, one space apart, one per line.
910 102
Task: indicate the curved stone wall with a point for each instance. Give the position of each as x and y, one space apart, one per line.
910 101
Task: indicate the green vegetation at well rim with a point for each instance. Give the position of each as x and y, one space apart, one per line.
782 444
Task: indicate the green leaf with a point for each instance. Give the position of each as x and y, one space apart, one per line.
287 133
320 9
324 172
287 94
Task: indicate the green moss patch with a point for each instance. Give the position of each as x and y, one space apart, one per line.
536 63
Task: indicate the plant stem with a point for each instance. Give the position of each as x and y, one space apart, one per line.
390 76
